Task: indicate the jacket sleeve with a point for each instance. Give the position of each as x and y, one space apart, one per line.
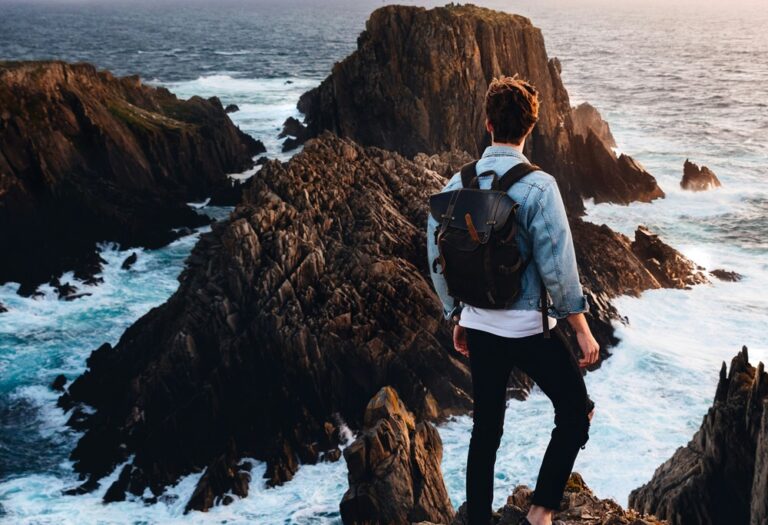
450 307
554 254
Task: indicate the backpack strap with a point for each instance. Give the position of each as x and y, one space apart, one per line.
514 174
469 175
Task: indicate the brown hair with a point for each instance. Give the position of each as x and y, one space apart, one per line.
512 106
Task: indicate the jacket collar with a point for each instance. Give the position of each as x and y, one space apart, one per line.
497 150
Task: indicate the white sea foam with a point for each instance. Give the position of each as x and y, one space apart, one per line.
264 103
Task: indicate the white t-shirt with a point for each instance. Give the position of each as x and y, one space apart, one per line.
504 322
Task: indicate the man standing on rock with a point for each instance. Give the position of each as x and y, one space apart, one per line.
497 340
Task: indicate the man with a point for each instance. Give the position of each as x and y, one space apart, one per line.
498 340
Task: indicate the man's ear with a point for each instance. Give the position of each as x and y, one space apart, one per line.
489 126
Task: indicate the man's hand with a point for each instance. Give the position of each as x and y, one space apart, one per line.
460 340
589 347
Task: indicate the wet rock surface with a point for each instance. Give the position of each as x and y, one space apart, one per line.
698 179
721 476
86 157
394 468
417 81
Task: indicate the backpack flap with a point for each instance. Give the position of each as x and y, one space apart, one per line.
488 209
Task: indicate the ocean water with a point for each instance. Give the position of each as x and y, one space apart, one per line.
675 80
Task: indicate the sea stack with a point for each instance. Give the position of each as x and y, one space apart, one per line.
394 468
721 476
587 119
698 179
424 92
86 156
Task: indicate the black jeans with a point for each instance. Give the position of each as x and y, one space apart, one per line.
554 369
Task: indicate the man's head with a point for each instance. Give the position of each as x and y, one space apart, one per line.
511 109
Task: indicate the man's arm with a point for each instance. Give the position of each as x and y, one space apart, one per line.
554 254
555 259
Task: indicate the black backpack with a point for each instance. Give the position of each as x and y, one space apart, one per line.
476 239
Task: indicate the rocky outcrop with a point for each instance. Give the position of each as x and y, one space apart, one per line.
720 476
726 275
416 84
86 157
669 267
288 318
579 506
698 179
394 468
586 119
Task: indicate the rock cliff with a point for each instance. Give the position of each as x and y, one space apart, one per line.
416 84
86 157
394 468
721 476
698 179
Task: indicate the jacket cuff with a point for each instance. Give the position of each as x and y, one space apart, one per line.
575 304
456 310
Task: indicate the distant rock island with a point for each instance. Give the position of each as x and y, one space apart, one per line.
86 157
698 179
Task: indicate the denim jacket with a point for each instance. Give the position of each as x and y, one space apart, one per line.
544 232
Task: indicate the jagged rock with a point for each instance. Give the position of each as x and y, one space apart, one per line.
3 309
698 179
231 108
446 163
670 268
579 506
59 382
86 157
720 476
296 134
313 295
389 94
222 476
587 118
394 468
726 275
130 261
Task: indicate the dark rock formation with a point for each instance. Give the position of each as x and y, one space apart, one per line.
223 476
720 477
670 268
726 275
417 81
58 383
130 261
231 108
3 309
86 157
296 133
698 179
394 468
291 314
579 506
587 118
